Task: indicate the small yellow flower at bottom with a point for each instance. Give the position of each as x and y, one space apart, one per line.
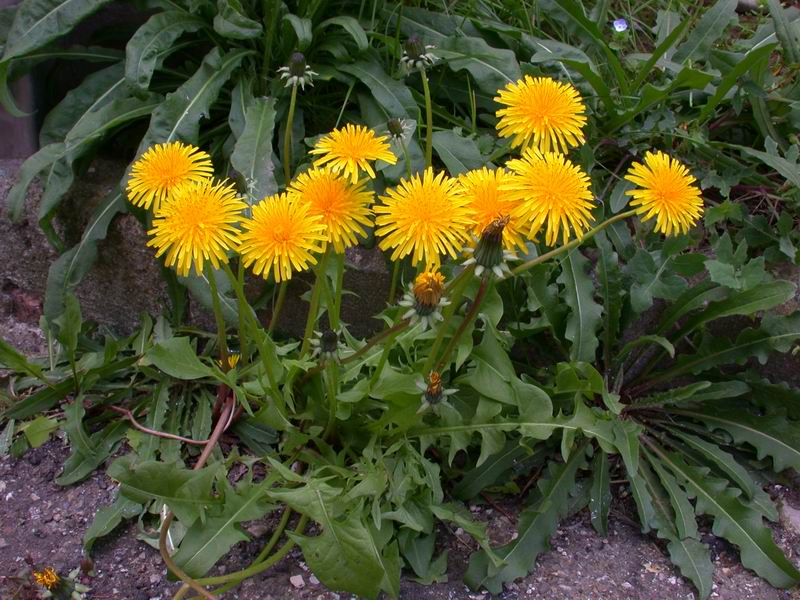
666 191
281 237
198 224
47 578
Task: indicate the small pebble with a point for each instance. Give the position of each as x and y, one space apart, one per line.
297 581
313 580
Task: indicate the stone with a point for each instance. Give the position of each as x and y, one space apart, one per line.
790 517
297 581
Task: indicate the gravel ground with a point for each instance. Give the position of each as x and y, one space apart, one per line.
44 523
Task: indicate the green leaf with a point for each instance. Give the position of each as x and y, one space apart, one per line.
600 496
38 431
153 42
459 154
585 313
6 436
179 116
391 94
232 23
771 435
711 26
461 517
683 511
256 433
788 36
672 396
16 361
206 542
735 522
697 296
663 49
42 400
107 518
155 420
536 524
351 26
67 271
88 451
252 153
38 22
609 277
95 91
491 68
720 460
788 169
186 492
177 357
302 30
492 470
69 326
645 340
652 279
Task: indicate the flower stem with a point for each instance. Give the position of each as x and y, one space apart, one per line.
428 119
335 311
407 158
393 284
331 376
473 311
287 138
242 307
220 319
455 291
573 244
313 308
376 339
276 312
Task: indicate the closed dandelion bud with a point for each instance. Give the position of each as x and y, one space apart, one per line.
416 55
297 71
433 391
326 345
489 253
425 297
297 64
395 127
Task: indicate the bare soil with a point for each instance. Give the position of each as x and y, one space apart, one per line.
43 524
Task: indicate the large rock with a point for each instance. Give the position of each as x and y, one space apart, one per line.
126 282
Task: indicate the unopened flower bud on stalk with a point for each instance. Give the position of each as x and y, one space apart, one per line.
326 345
489 254
297 72
425 298
416 55
434 393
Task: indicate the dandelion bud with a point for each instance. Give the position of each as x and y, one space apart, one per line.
416 55
297 72
425 298
433 392
489 253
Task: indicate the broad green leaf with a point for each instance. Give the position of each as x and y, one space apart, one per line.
495 468
491 68
351 26
788 36
152 43
646 340
96 90
536 524
12 359
609 278
682 509
697 296
186 492
710 27
430 26
252 154
67 271
88 451
69 326
177 357
459 154
42 400
652 278
302 30
673 396
38 431
231 21
735 522
179 116
207 541
155 420
600 497
585 313
107 518
33 165
788 169
38 22
461 517
722 461
6 436
770 435
391 94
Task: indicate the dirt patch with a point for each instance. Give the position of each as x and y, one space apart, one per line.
44 523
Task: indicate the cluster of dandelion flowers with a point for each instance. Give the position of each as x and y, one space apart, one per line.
482 189
666 191
552 193
425 217
198 224
343 208
351 149
162 169
541 112
281 237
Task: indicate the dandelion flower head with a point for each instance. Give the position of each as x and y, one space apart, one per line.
351 149
482 190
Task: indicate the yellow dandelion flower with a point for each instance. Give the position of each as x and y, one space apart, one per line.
541 112
428 288
482 190
343 208
552 192
47 578
425 216
281 237
198 224
667 191
231 361
162 169
351 149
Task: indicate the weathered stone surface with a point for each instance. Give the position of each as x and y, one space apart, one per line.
125 282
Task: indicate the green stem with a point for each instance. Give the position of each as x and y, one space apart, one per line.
276 535
393 284
335 312
269 28
428 119
276 312
376 339
217 306
573 244
455 292
331 375
242 305
287 138
387 347
473 311
407 158
313 308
